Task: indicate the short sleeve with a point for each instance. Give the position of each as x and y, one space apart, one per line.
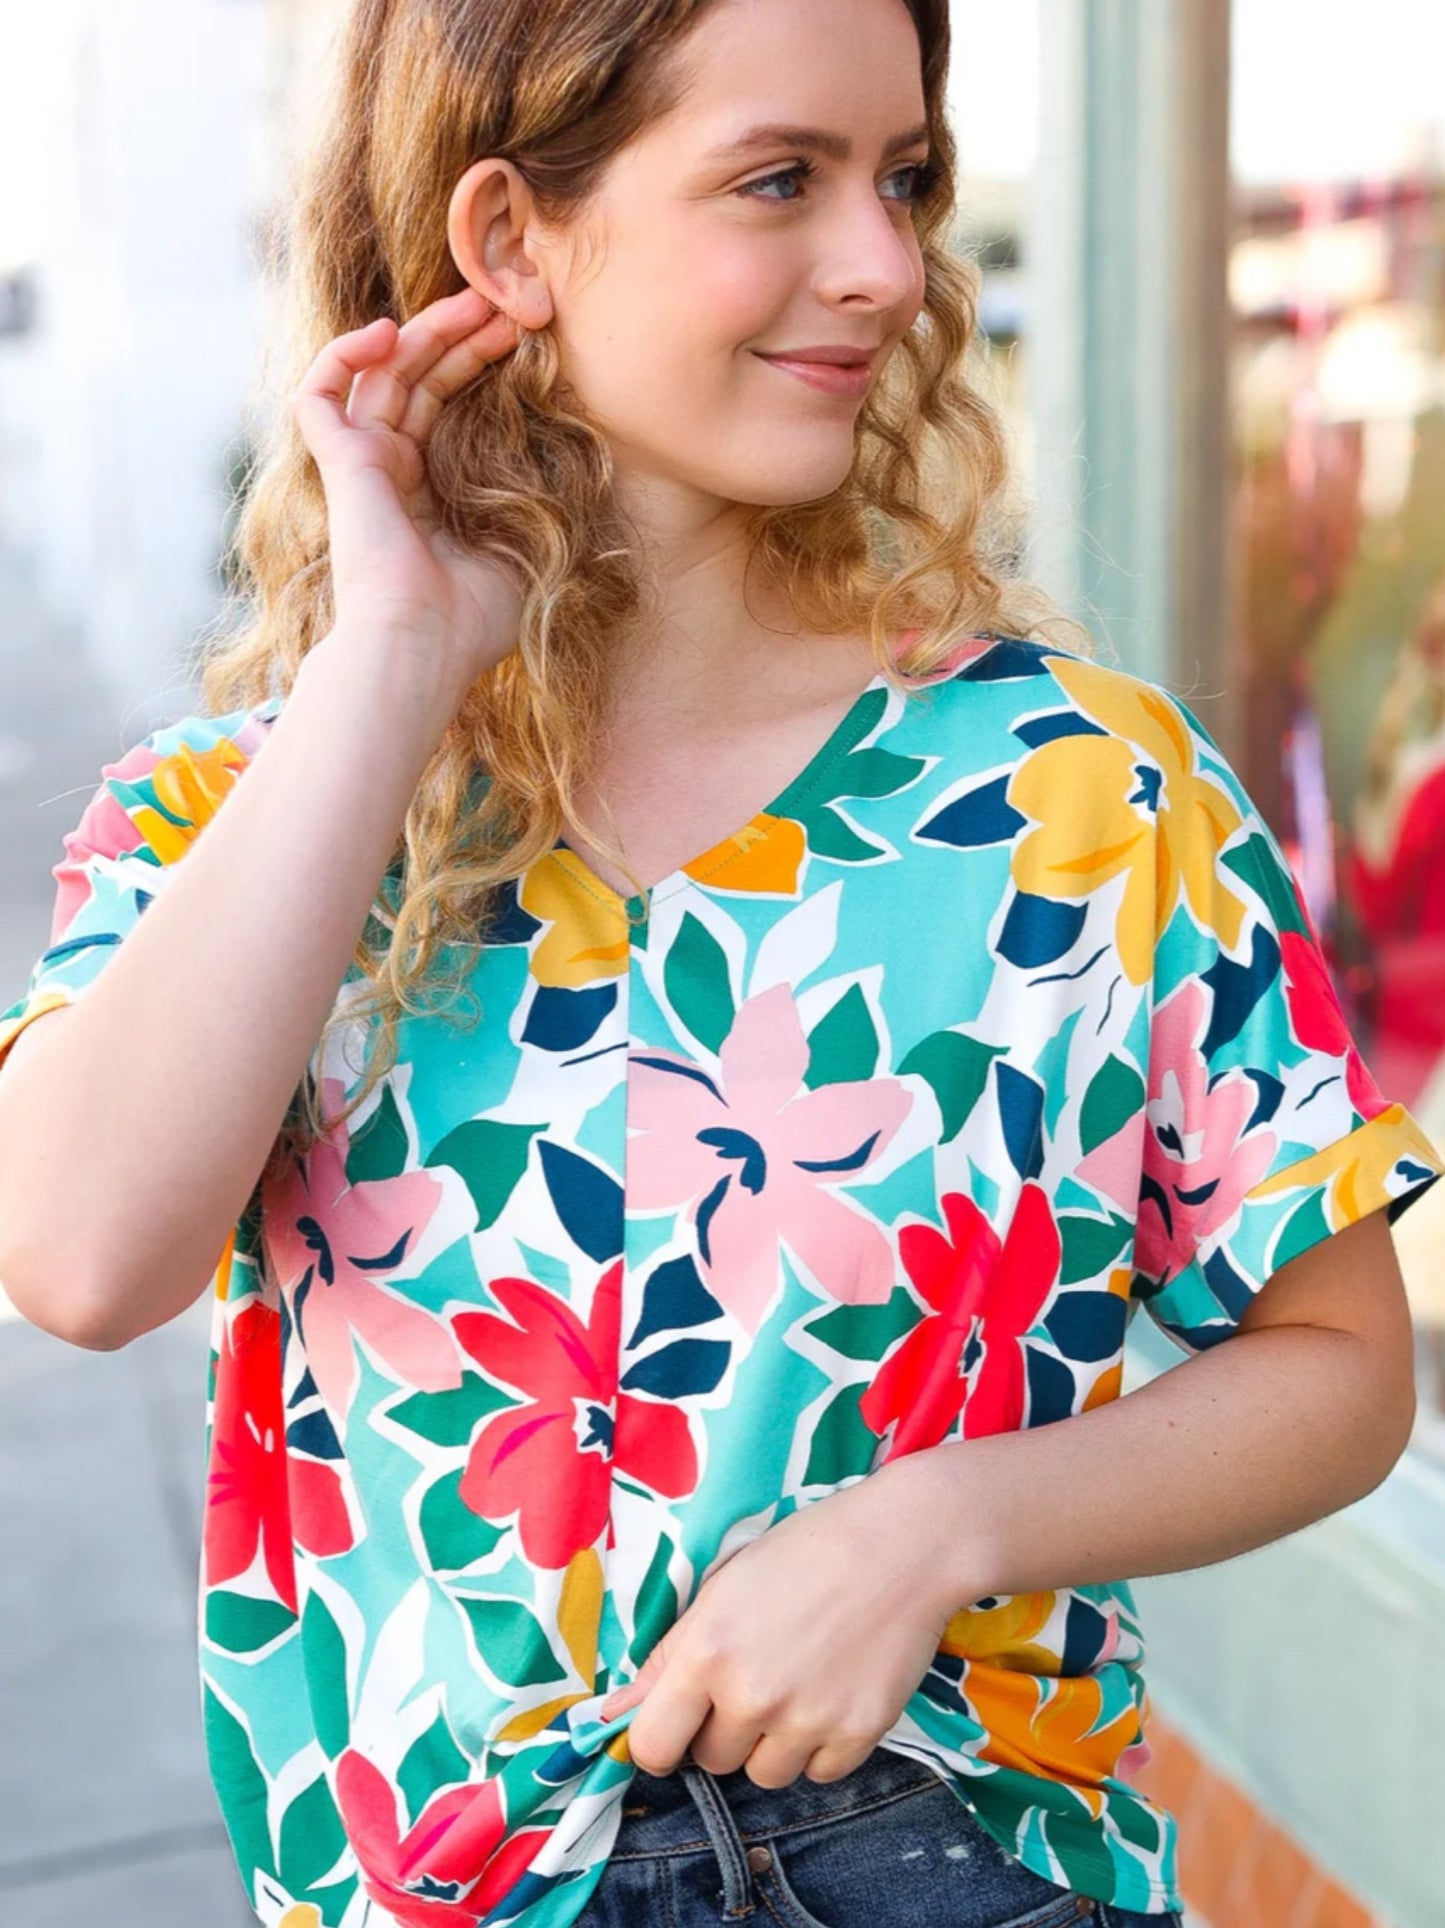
147 810
1264 1131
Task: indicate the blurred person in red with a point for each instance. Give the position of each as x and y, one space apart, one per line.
1395 867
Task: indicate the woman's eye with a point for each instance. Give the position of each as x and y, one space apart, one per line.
922 176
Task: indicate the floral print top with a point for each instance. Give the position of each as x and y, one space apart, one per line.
874 1129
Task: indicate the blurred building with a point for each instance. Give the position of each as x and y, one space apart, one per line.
1213 239
133 132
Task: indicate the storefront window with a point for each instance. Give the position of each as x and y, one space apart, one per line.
1337 290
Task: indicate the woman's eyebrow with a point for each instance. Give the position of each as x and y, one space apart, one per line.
837 147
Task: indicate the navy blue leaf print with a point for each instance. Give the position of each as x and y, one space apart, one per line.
1232 1292
1051 1387
979 817
588 1200
1087 1324
1035 730
1006 661
1038 931
688 1366
674 1296
561 1020
1238 988
314 1433
1021 1112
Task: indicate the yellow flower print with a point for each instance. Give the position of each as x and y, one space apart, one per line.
191 789
587 933
579 1609
303 1915
1052 1727
1093 822
11 1028
579 1614
1006 1634
764 858
1357 1165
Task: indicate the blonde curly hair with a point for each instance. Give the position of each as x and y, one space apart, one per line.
919 537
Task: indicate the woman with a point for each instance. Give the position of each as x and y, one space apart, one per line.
666 1459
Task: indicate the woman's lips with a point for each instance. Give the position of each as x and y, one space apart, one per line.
830 377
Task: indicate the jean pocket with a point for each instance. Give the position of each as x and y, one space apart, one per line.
922 1861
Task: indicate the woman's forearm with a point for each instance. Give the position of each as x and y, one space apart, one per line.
1230 1449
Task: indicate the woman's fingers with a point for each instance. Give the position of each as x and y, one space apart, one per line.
438 350
319 404
397 380
459 365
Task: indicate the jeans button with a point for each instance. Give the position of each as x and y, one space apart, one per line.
759 1860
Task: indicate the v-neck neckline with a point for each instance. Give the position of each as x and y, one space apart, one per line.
843 732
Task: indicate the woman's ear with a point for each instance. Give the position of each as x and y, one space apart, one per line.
491 229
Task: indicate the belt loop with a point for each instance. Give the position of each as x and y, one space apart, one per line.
723 1833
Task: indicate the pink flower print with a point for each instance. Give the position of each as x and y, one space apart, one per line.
330 1245
755 1155
1200 1160
105 830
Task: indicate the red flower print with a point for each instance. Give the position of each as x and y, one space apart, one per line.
967 1355
757 1157
418 1877
257 1493
550 1461
1319 1023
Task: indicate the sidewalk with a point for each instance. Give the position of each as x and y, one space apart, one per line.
106 1811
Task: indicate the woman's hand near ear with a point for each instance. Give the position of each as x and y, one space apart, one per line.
366 411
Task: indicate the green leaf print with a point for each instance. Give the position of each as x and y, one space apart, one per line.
512 1643
865 1331
860 722
830 836
1116 1092
380 1147
453 1535
1305 1226
1090 1244
1134 1822
1074 1838
956 1066
242 1625
312 1839
1254 861
450 1418
843 1045
696 979
491 1157
324 1652
842 1443
240 1784
432 1761
657 1605
876 773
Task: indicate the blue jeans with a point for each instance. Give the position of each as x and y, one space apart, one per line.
888 1846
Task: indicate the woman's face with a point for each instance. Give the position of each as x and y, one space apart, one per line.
701 255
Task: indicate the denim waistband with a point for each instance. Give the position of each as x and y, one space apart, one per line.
660 1813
